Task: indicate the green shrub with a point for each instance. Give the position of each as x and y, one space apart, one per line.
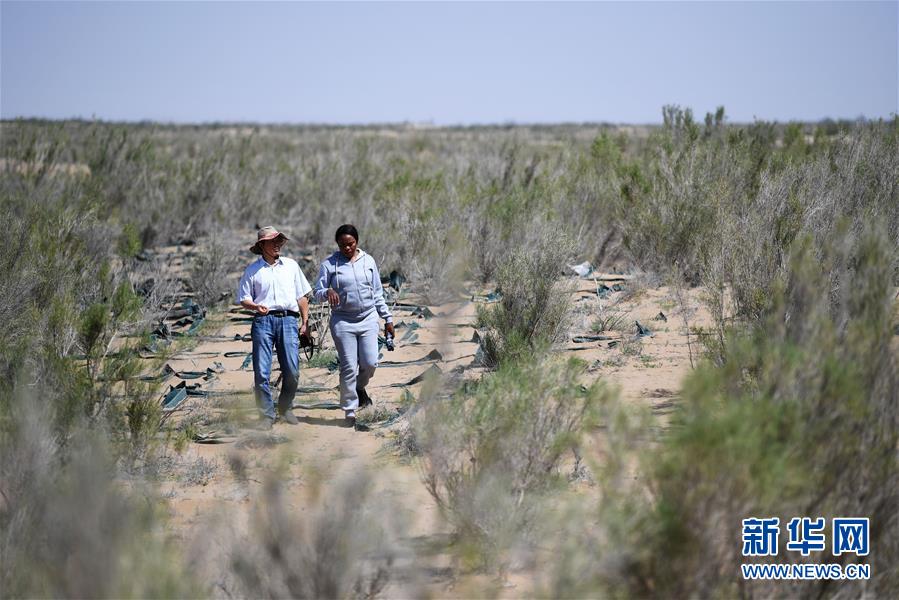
129 243
326 359
670 197
534 310
490 453
833 195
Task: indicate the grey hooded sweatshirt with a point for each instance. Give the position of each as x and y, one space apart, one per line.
358 283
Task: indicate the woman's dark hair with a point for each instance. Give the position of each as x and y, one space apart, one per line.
346 230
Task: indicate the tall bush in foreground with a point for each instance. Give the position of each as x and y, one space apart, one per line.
491 453
339 549
69 530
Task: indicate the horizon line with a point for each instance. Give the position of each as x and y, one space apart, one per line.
409 124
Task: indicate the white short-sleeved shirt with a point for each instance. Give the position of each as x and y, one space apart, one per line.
276 286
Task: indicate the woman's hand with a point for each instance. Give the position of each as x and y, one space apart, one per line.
333 298
388 328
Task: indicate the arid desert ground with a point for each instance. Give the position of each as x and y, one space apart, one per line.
613 344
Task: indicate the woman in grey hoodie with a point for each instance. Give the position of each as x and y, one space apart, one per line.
349 280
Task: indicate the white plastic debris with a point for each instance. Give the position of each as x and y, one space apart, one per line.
582 270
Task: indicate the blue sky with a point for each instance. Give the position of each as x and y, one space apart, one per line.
447 63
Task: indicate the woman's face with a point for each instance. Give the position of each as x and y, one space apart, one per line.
347 245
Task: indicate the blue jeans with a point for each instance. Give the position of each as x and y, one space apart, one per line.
280 333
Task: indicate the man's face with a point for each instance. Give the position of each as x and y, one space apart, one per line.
272 248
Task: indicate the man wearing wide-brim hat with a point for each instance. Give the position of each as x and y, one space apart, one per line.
275 289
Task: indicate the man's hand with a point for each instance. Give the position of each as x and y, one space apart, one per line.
303 328
256 308
333 298
388 328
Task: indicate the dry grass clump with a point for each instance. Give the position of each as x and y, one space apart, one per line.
377 413
199 471
490 453
723 204
341 548
610 317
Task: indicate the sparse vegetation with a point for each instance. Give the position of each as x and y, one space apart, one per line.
342 548
209 271
377 413
533 312
323 360
791 230
491 452
610 318
799 420
70 530
199 471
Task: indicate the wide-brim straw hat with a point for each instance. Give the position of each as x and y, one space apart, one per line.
266 233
